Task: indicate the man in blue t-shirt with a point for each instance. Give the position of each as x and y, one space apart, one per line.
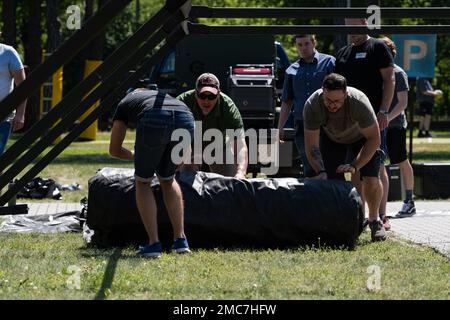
11 72
303 78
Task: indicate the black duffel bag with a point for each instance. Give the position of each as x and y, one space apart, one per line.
222 211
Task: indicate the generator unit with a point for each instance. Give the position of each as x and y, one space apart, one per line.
252 88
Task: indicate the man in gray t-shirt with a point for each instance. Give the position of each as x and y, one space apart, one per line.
348 124
11 71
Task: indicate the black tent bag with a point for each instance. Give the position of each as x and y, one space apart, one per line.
222 211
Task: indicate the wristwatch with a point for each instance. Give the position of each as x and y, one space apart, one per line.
384 112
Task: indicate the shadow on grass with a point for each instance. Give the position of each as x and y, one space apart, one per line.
109 274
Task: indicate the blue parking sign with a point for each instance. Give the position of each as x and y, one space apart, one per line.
416 54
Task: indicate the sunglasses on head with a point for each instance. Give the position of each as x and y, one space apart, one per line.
206 96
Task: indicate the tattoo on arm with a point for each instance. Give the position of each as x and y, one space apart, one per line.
317 156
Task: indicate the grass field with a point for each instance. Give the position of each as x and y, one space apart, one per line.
60 266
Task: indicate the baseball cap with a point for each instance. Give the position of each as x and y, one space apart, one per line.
207 82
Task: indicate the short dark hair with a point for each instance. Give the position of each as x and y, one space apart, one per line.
391 45
311 36
334 81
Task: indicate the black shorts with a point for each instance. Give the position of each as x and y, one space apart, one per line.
334 154
425 108
396 145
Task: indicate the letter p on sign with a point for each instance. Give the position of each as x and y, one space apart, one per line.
416 54
409 54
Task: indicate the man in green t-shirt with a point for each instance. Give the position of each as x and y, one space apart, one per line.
348 124
215 110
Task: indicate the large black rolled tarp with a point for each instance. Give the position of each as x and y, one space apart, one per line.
227 212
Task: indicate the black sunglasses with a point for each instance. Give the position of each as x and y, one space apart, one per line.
206 96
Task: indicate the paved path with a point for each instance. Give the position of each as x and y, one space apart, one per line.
52 208
430 226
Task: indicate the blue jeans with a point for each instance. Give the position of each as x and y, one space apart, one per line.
5 131
153 147
308 171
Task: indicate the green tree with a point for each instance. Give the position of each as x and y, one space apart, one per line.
31 38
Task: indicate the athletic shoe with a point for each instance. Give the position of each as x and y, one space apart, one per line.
386 222
151 251
408 210
378 233
180 245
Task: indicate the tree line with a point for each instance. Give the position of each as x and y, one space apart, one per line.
37 26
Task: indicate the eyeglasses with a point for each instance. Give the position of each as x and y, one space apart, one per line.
206 96
335 102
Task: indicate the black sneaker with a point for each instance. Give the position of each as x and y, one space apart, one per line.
428 134
378 232
420 134
408 210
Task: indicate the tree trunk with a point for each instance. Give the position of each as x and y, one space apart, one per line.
31 37
340 39
53 26
137 14
95 49
53 41
9 30
94 52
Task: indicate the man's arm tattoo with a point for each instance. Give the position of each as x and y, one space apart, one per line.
316 155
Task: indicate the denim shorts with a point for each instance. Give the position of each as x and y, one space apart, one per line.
5 131
153 147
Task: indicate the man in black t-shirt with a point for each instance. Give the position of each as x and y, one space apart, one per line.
368 65
156 116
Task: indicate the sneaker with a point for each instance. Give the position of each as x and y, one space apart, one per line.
408 210
420 134
378 232
386 222
180 245
151 251
428 134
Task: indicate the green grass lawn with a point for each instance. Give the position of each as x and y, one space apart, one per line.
46 266
59 266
